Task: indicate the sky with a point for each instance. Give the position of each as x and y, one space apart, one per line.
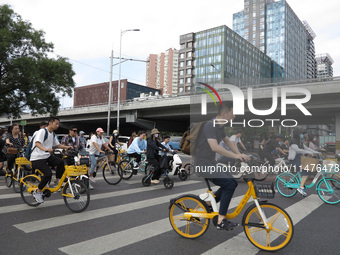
86 31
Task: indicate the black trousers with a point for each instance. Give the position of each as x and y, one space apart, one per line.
10 160
137 156
269 157
44 166
156 168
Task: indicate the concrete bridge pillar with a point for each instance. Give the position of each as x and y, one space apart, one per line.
337 132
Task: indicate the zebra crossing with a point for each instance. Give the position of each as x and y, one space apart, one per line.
130 219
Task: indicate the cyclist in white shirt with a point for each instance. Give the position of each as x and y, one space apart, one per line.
237 139
96 144
42 158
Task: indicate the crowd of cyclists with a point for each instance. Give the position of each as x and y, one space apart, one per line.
213 142
13 144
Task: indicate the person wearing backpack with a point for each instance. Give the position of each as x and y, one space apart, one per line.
42 157
207 144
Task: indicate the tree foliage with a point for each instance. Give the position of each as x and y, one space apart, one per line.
29 78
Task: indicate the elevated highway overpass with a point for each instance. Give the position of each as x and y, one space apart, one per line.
173 113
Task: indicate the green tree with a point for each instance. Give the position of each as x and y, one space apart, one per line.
29 78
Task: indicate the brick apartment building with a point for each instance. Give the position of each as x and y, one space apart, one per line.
99 93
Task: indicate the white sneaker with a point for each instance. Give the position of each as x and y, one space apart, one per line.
90 186
38 196
92 179
155 181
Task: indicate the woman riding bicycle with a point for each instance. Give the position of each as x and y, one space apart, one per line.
112 143
15 140
296 149
95 149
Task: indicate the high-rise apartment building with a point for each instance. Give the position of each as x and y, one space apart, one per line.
186 66
219 55
274 28
324 65
311 61
222 56
162 71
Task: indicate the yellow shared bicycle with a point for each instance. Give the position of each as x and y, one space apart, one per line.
75 193
266 225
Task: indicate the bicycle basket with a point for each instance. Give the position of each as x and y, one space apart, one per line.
22 161
264 190
75 170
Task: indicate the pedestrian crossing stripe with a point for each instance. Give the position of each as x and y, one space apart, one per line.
54 202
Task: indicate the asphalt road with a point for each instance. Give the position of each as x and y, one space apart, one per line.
131 219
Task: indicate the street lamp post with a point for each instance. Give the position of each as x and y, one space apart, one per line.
110 95
120 58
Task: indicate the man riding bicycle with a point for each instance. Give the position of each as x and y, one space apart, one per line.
137 147
42 157
208 143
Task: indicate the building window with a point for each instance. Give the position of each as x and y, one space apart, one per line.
181 64
182 55
189 71
181 72
189 63
189 45
181 81
189 54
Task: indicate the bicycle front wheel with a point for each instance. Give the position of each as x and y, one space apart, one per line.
8 177
27 186
327 191
110 174
191 227
282 184
280 225
337 178
16 182
80 199
125 169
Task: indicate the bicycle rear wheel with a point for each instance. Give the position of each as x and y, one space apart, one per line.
283 180
110 174
80 199
192 227
8 177
280 224
125 169
327 191
27 186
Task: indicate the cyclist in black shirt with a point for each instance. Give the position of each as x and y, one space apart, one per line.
271 145
208 143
